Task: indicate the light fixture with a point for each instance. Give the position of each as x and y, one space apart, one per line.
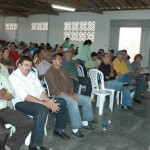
63 7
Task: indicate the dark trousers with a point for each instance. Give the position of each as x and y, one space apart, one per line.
20 121
39 113
83 81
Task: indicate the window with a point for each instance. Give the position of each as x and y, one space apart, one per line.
11 26
79 31
39 26
129 39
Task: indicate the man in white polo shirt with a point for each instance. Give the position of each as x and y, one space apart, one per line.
31 99
20 121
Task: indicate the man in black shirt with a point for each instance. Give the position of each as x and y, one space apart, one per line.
117 84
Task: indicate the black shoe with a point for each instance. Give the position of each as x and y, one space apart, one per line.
78 134
130 108
137 101
89 127
124 107
61 134
37 148
93 121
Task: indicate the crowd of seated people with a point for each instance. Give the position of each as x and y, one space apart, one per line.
59 67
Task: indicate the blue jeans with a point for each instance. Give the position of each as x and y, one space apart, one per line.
126 78
39 113
73 108
116 84
138 89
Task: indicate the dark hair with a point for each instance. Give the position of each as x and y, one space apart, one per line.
86 42
66 39
4 49
128 57
93 54
101 50
39 49
54 56
24 58
138 55
26 50
112 51
125 51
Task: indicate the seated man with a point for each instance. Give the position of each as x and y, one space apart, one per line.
117 84
31 99
3 70
44 65
71 68
136 73
93 62
21 122
121 68
62 86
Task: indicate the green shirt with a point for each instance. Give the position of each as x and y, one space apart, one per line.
89 64
4 83
70 67
84 52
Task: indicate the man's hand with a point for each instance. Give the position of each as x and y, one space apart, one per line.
73 96
133 81
51 104
3 91
72 77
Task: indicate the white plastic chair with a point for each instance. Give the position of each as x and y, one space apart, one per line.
99 90
81 74
12 128
47 88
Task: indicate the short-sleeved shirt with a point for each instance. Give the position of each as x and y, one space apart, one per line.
120 66
4 83
43 67
25 85
14 55
106 70
89 64
70 67
9 63
4 70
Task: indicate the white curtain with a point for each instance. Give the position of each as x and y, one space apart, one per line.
145 46
114 38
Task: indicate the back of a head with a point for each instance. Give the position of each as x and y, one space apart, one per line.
87 42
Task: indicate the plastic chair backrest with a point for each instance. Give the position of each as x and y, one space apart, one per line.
47 87
80 71
95 76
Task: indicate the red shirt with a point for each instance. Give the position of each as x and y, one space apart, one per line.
14 55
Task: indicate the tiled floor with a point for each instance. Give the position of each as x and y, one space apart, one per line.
129 130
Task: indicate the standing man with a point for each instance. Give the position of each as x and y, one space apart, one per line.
31 99
20 121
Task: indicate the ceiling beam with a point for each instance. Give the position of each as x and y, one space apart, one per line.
77 6
30 10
